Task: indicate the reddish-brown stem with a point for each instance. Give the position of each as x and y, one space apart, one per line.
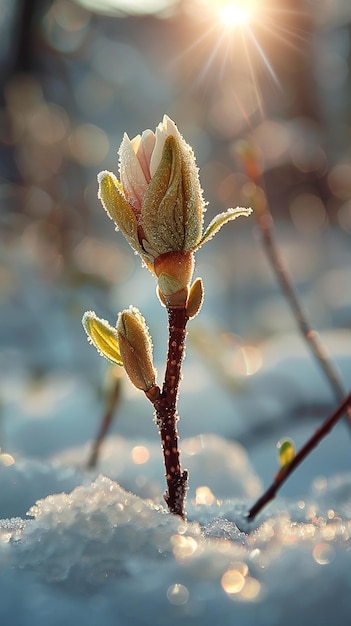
112 401
256 195
166 412
285 472
312 338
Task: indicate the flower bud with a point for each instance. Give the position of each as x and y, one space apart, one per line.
136 348
158 206
172 206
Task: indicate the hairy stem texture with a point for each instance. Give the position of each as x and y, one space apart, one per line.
166 412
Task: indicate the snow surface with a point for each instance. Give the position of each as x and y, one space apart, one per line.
102 555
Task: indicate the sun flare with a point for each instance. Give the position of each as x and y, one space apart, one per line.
241 42
233 13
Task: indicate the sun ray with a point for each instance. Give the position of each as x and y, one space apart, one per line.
284 36
255 83
264 58
232 41
214 53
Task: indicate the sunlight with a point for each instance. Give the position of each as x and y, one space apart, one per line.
234 13
241 42
228 49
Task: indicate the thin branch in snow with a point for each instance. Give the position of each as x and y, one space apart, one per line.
287 470
258 200
113 397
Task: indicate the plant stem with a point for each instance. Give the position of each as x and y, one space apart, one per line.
112 401
252 165
166 412
285 471
312 338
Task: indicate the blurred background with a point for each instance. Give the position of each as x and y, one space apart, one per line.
76 75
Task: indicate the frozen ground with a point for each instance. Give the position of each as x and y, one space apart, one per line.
98 554
97 547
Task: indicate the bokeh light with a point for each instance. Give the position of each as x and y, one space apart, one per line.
6 460
233 581
183 547
204 496
128 7
140 455
239 585
323 553
178 594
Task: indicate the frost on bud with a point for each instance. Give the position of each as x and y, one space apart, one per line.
103 337
286 452
220 220
112 196
158 205
172 209
195 298
136 348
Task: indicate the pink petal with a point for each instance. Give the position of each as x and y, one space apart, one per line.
132 176
166 128
144 151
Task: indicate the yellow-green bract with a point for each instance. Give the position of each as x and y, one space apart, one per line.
286 452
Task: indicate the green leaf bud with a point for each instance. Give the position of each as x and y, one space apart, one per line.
102 336
286 451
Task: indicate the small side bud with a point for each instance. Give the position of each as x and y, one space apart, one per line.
136 349
195 298
103 337
286 452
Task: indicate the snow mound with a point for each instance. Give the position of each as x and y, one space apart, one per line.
102 553
94 534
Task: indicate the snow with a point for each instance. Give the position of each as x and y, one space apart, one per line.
100 554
